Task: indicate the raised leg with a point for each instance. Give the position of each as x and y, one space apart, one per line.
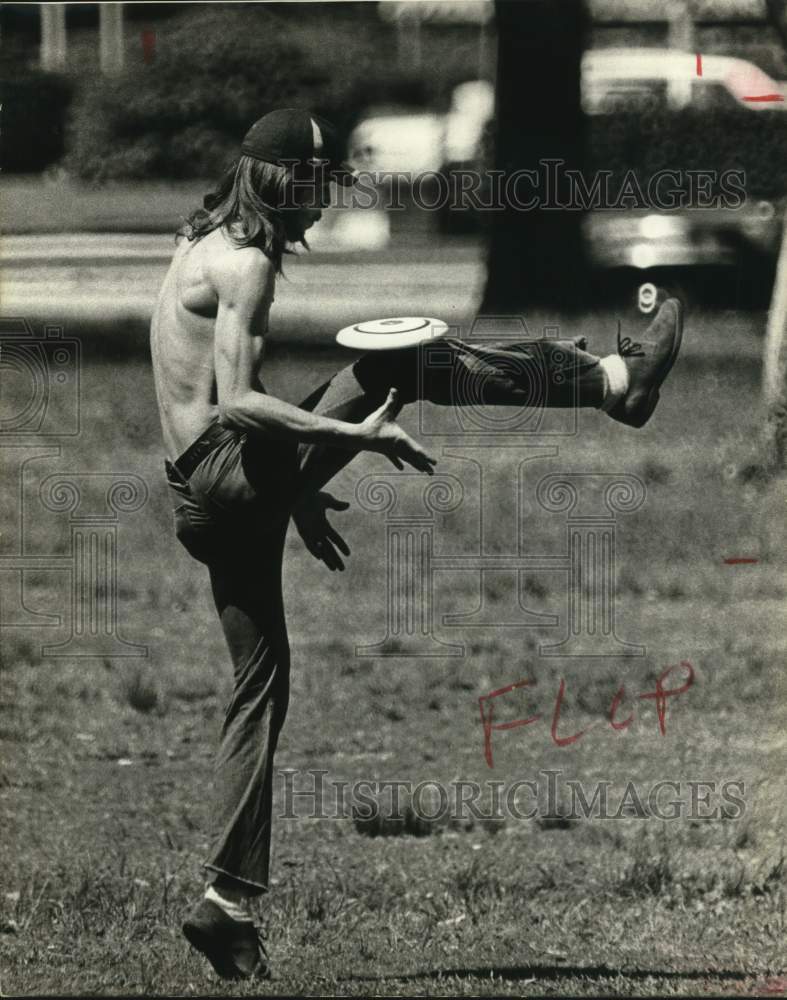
449 372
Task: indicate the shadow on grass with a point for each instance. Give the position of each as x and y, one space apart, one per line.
518 972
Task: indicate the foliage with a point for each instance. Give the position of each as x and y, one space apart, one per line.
717 139
34 110
217 70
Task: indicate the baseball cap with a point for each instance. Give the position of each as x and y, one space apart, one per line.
293 134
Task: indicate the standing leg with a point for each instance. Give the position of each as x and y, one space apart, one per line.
248 597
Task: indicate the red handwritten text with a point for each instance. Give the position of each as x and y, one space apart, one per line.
660 695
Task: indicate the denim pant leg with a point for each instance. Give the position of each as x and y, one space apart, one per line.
232 514
448 372
248 594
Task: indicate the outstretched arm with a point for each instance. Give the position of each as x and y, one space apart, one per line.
242 286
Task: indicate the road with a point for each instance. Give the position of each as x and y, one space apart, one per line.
59 278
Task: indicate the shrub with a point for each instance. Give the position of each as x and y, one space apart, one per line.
216 71
35 105
693 139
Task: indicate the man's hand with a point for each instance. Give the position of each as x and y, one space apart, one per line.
381 433
319 537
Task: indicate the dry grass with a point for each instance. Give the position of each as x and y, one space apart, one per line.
106 767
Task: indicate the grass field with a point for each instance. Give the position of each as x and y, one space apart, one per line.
35 204
105 785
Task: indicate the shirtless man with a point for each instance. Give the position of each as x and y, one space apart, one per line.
241 463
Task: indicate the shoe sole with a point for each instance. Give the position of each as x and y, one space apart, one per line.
673 356
654 394
206 945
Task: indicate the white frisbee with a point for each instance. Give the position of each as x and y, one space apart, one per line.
392 333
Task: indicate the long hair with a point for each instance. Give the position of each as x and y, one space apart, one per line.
247 202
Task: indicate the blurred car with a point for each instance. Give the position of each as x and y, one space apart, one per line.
644 243
731 250
472 107
719 254
394 140
630 79
643 239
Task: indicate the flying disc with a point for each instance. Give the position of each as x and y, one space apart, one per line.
391 333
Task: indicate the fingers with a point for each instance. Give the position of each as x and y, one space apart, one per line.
428 460
418 458
423 464
415 457
392 405
315 549
324 548
330 556
338 541
334 504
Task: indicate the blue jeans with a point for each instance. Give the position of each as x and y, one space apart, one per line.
232 513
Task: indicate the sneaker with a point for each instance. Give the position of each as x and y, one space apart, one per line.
233 947
649 364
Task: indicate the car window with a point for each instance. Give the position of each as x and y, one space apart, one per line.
710 95
607 97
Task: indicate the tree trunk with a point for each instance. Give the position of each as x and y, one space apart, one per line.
536 256
775 368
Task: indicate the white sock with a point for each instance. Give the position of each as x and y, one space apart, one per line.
237 907
616 380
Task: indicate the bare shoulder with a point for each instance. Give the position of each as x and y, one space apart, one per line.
239 273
